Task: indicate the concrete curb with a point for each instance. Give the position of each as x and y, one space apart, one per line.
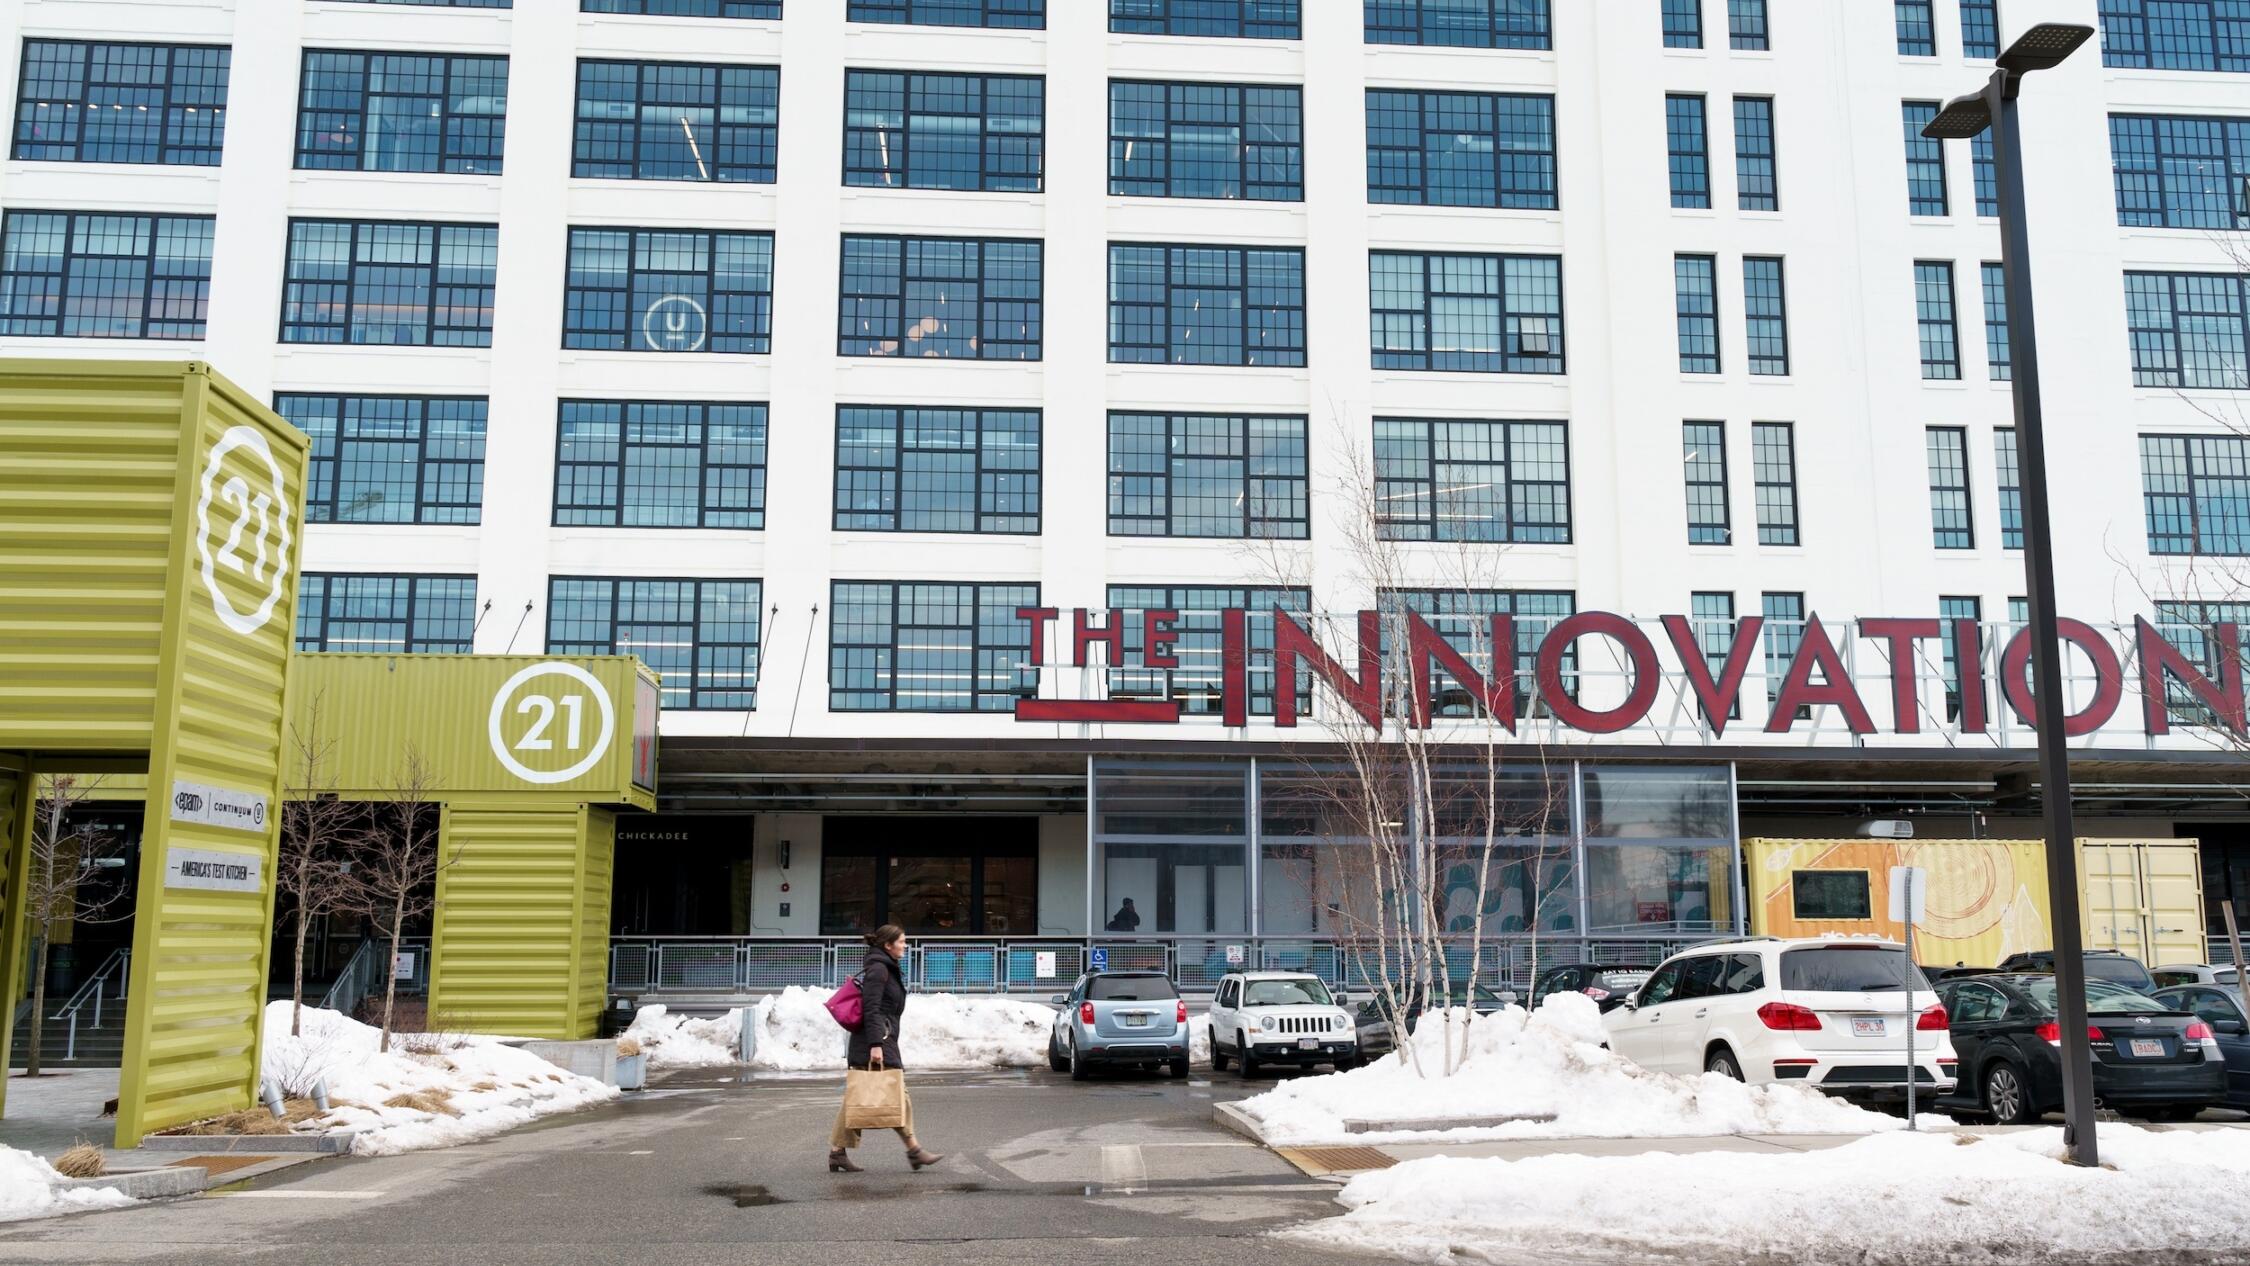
1233 1118
262 1144
1434 1124
145 1184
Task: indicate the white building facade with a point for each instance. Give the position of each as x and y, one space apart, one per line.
796 345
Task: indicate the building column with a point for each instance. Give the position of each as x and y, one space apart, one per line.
520 939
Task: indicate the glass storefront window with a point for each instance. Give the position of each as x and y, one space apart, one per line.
1197 802
1163 889
1516 868
1659 888
1658 803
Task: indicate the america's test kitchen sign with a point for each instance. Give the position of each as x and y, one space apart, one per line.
1817 675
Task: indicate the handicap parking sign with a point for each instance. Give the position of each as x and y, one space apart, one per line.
1100 959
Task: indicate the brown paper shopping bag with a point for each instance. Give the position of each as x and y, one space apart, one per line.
874 1099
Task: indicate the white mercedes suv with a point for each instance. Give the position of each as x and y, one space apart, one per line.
1280 1017
1835 1013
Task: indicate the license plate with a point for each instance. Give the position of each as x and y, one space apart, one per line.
1876 1027
1134 1021
2147 1048
1308 1043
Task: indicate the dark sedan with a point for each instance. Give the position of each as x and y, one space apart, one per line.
2221 1008
1378 1035
2151 1059
1608 986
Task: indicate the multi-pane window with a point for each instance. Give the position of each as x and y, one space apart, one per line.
917 130
1980 28
961 298
936 470
1461 149
1917 28
1951 526
1189 140
1695 287
1783 633
1765 314
1442 479
383 614
2192 627
1206 305
390 283
1492 314
2188 329
2009 478
1208 475
668 290
1463 617
1925 160
1950 609
1233 19
1196 683
1711 617
1683 23
1984 173
1773 476
391 459
701 636
660 464
1756 185
1687 150
369 111
1934 320
676 121
85 274
1458 23
1746 30
121 103
2181 173
1998 363
1703 457
2197 489
1028 15
2176 34
767 9
929 646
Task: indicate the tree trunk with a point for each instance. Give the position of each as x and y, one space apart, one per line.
390 974
38 1006
297 982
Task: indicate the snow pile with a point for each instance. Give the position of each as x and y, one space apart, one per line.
1549 1063
683 1041
1888 1200
464 1088
30 1188
796 1034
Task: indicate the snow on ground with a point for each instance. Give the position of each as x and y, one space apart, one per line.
488 1087
30 1188
1550 1062
1888 1200
940 1030
684 1041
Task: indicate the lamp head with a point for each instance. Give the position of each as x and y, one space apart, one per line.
1962 118
2045 45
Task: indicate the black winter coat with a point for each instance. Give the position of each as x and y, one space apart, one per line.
882 993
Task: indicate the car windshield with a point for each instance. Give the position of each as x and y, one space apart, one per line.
2124 971
2102 997
1285 993
1849 969
1131 989
1622 981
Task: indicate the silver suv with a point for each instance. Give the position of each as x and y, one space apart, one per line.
1119 1017
1280 1017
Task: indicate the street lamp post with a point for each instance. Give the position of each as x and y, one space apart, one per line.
2039 48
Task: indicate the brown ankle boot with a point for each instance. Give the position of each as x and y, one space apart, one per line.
916 1157
840 1162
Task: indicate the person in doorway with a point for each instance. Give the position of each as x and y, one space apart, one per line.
1127 919
874 1045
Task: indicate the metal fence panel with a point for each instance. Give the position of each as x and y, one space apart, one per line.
696 965
779 964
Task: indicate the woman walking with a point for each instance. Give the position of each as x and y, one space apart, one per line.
874 1045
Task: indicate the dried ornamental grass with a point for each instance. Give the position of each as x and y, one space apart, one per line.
434 1102
628 1046
83 1161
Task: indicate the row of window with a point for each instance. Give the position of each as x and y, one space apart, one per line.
1916 22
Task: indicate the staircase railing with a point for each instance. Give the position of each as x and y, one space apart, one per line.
106 985
356 979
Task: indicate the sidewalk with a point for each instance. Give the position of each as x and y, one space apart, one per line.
49 1114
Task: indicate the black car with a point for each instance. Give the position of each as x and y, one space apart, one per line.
1609 985
1939 975
2221 1008
2151 1059
2115 966
1374 1022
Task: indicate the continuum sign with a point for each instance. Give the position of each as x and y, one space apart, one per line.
1818 673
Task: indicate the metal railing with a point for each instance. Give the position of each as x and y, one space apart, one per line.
107 984
736 965
363 973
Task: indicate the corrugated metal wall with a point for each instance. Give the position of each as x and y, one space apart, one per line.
512 918
592 967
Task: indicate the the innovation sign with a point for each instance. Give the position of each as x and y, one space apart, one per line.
1835 664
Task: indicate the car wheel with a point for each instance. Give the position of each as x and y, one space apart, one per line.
1180 1068
1722 1062
1242 1048
1055 1060
1218 1056
2006 1097
1078 1066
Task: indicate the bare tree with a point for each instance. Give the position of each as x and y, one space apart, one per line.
320 834
398 864
65 853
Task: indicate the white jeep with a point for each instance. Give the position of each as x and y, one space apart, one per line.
1280 1017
